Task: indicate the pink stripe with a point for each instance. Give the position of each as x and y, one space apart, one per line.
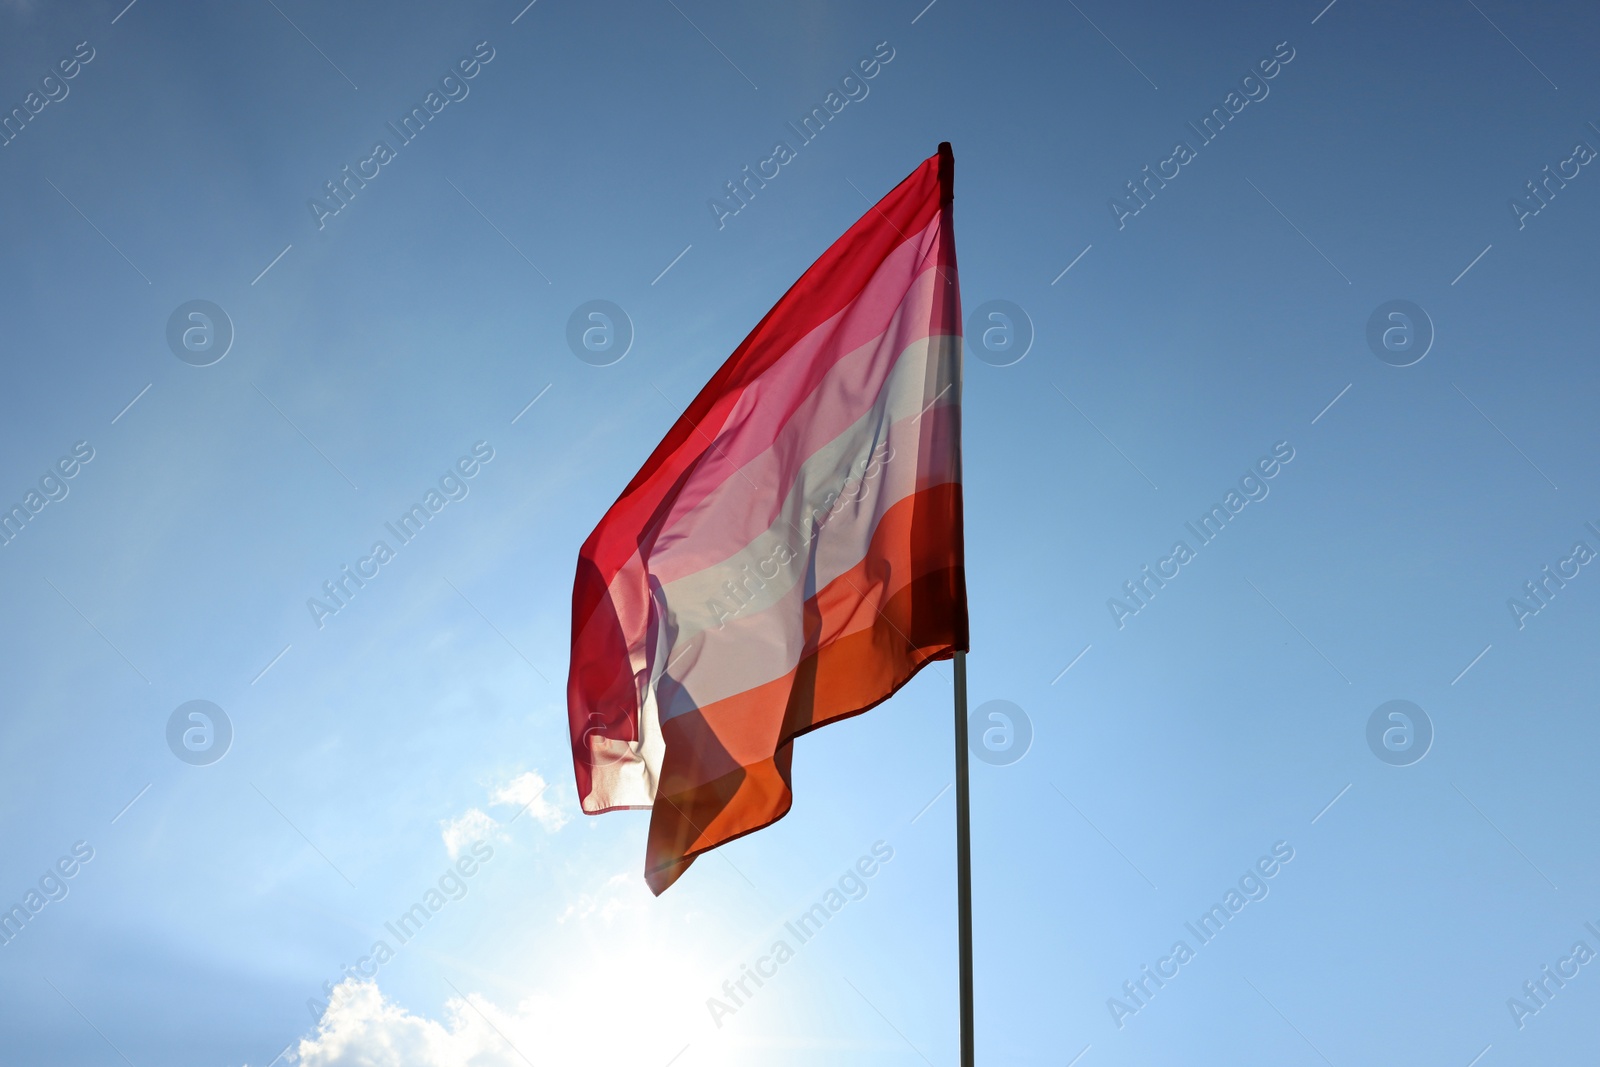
853 403
924 457
766 642
720 508
906 281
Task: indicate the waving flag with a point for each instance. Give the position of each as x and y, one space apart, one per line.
791 553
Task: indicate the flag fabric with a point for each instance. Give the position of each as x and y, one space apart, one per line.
791 553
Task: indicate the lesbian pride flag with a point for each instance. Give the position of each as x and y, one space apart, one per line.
791 553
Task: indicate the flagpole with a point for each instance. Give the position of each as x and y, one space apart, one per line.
963 863
947 186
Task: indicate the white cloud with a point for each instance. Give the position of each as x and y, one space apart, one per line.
363 1028
618 894
529 790
475 825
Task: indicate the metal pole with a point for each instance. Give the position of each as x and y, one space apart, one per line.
963 863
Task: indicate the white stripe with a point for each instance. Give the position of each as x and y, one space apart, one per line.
696 532
766 446
728 641
872 463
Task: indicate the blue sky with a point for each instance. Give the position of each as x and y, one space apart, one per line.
374 349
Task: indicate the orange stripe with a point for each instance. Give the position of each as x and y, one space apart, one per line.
848 677
910 541
726 771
